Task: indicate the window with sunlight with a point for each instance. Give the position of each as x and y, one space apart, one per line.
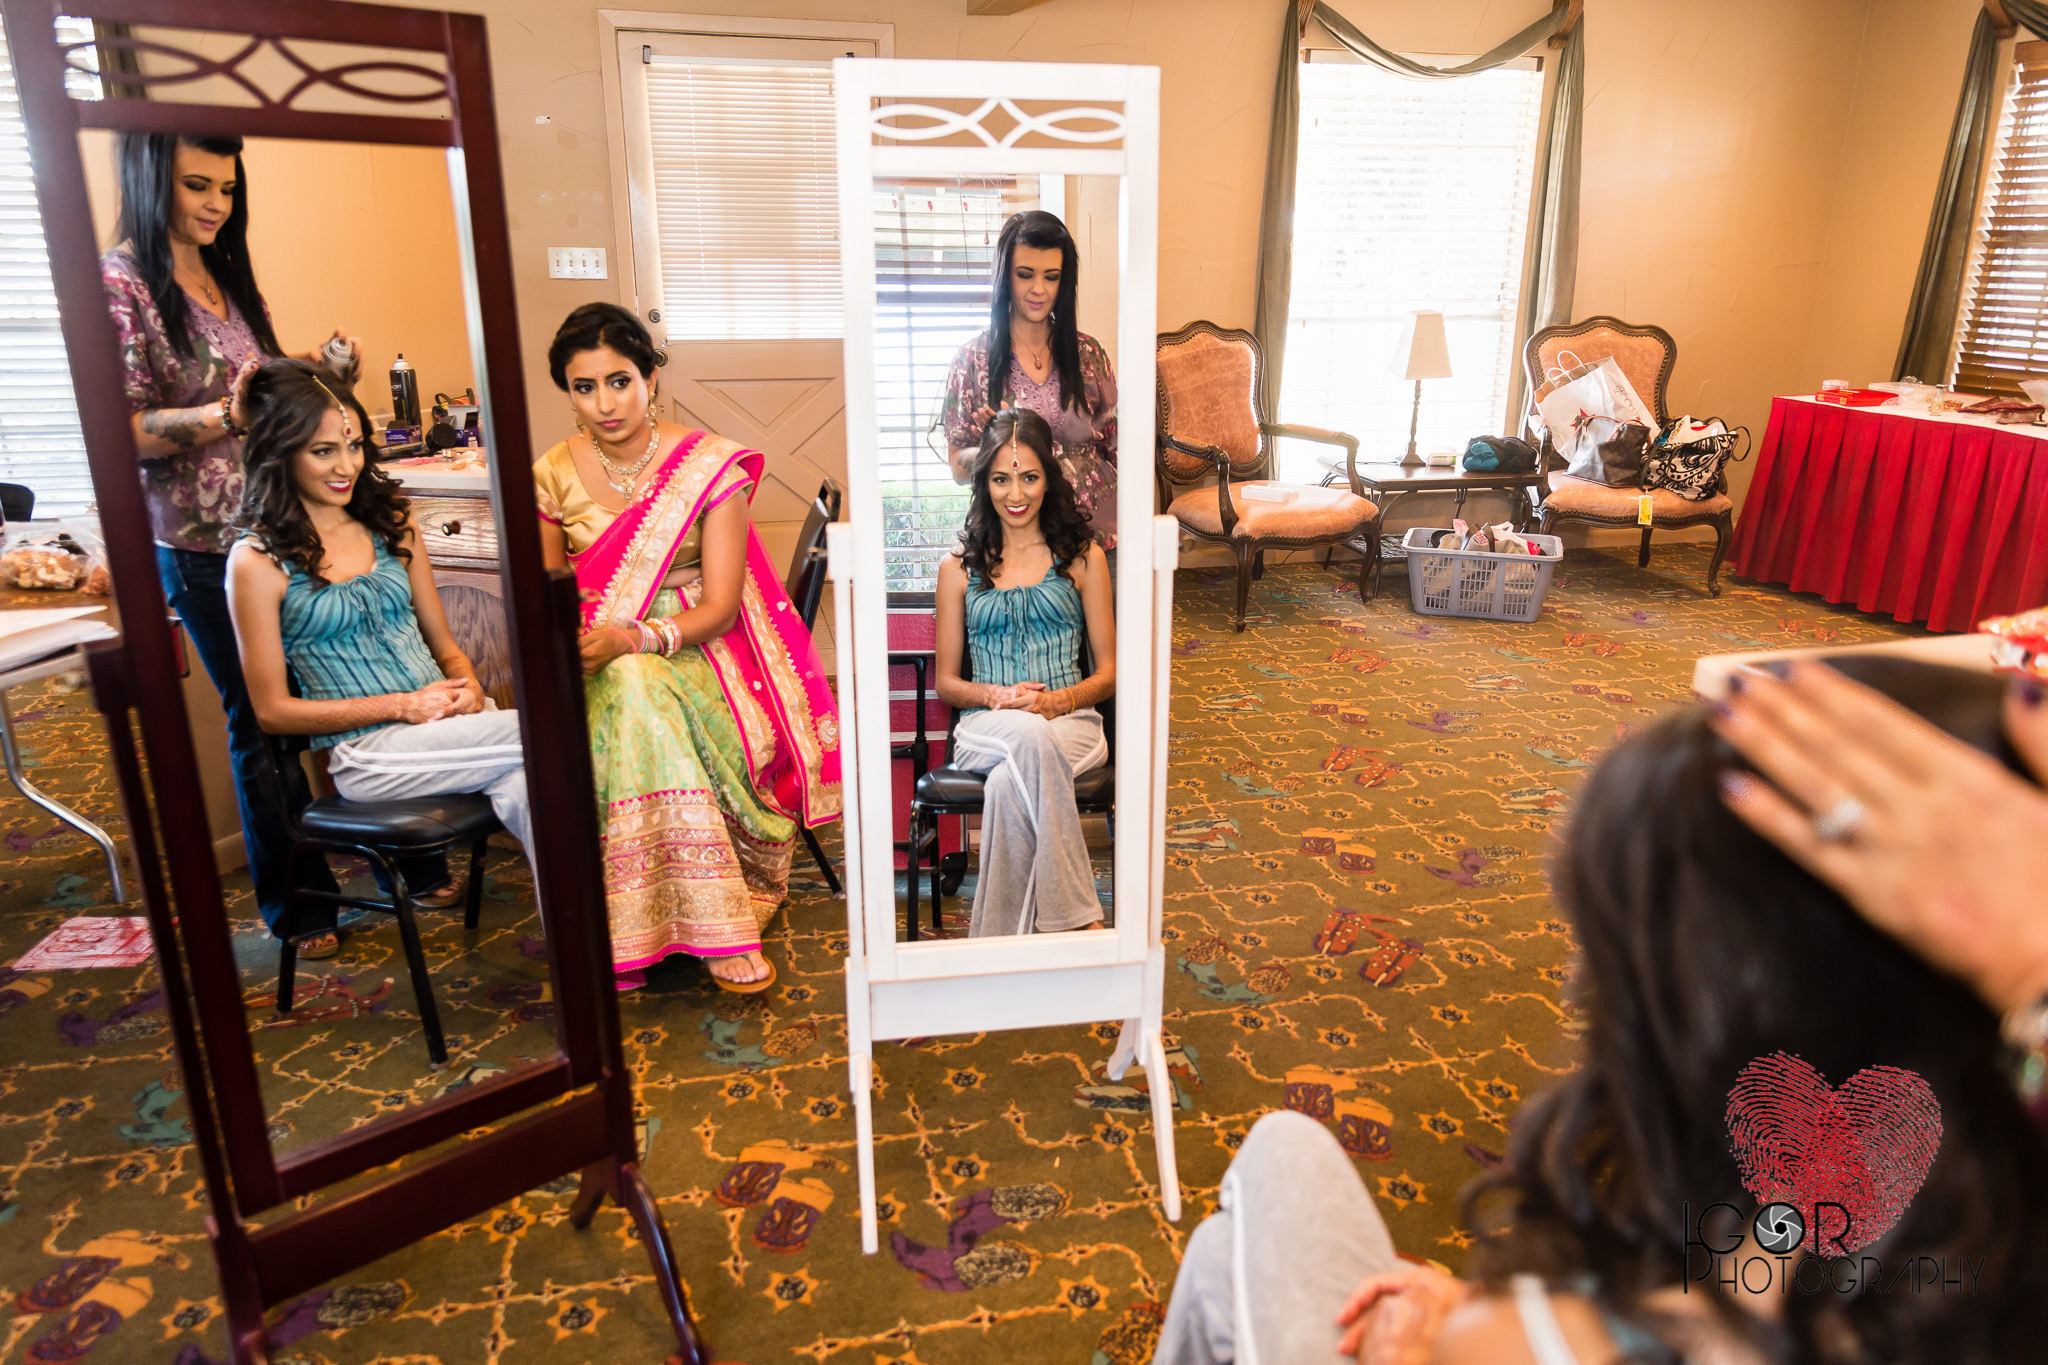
934 241
1408 194
40 444
2002 335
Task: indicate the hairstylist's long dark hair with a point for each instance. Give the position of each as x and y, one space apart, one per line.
1702 948
288 399
146 173
1067 533
1035 228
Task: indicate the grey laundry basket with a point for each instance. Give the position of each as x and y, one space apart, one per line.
1492 587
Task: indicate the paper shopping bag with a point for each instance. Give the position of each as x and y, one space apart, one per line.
1599 389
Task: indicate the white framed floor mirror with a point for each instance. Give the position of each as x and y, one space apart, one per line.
993 137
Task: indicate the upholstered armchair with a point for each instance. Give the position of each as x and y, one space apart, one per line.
1646 355
1210 422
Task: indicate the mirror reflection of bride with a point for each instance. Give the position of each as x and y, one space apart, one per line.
712 729
1027 589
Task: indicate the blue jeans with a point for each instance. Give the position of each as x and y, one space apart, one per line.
196 585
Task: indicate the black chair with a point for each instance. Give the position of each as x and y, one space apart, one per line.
17 502
947 790
380 833
806 588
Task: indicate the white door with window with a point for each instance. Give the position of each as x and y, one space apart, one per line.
734 227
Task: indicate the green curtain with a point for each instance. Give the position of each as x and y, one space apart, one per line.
1937 289
1548 274
1276 216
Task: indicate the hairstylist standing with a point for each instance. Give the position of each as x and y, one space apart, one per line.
1034 356
192 327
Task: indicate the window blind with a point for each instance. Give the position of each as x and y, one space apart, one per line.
2003 333
1408 194
746 199
934 241
40 444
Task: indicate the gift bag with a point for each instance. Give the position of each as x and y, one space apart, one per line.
1608 451
1599 389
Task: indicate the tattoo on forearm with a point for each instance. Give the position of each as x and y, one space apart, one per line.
181 427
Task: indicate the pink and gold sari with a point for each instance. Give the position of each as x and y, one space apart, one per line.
705 761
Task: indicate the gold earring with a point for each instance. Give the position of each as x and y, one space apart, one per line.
579 422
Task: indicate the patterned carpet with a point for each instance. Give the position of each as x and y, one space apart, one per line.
1361 802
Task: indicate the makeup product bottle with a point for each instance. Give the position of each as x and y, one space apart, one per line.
405 393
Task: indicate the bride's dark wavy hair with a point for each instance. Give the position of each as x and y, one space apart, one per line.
1067 532
1702 948
287 401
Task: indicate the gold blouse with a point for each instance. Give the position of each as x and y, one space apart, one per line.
559 494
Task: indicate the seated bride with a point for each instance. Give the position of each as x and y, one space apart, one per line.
1015 600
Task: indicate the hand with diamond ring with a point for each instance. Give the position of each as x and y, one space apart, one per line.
1933 841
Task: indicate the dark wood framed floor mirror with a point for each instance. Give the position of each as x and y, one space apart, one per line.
291 1207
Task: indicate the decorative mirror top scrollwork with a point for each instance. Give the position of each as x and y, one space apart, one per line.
253 72
998 122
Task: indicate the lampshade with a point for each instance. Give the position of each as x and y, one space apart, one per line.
1422 352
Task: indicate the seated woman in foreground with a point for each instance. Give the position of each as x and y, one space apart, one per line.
1027 580
712 729
1712 969
329 582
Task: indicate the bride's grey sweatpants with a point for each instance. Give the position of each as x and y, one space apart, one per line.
1035 875
479 752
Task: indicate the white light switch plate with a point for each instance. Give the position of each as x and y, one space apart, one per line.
576 263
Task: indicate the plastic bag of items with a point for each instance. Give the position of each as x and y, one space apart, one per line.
1501 539
55 563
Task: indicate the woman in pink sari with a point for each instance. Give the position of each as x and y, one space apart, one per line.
712 728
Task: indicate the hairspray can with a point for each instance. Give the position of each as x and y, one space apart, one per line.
405 393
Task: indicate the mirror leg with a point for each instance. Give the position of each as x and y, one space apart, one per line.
860 1077
1161 1083
597 1182
247 1344
862 1068
639 1201
1126 1049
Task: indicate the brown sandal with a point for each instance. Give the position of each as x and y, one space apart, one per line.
447 897
317 947
744 987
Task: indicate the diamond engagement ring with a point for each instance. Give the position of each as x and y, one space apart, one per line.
1839 822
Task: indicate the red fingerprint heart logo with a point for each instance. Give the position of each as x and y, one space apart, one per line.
1864 1146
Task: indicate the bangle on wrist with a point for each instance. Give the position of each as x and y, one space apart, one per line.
2024 1028
227 414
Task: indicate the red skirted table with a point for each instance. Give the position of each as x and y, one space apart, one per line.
1934 518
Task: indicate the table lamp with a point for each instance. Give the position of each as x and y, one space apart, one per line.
1421 354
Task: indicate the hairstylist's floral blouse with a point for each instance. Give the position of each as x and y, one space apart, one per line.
190 494
1086 438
